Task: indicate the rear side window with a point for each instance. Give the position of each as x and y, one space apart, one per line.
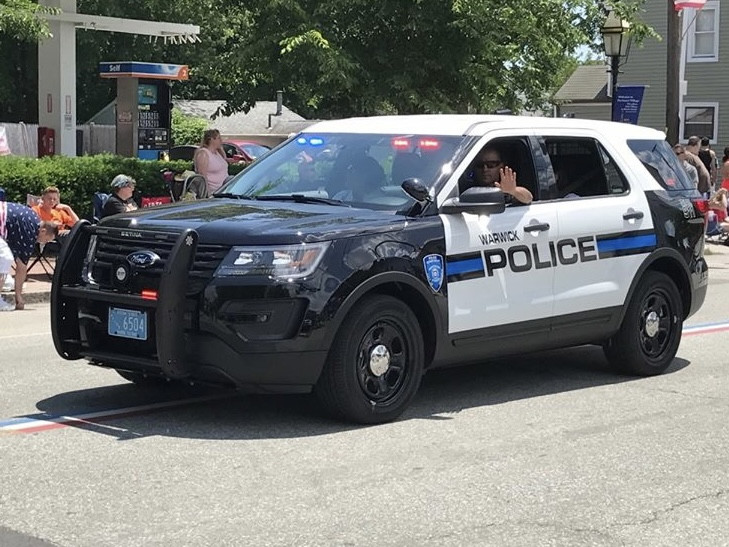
583 168
661 162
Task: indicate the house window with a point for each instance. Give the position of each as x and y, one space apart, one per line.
703 33
699 120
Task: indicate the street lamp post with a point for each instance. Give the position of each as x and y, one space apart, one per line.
616 37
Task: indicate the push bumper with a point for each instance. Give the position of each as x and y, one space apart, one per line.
174 350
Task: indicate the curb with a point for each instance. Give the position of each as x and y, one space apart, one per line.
36 297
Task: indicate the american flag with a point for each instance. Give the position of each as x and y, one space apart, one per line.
682 4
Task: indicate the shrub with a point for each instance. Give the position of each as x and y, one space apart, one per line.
79 178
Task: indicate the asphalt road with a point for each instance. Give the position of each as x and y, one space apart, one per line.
548 449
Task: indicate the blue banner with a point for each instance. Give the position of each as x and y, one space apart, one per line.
627 103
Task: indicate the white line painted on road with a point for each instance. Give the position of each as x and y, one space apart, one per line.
33 425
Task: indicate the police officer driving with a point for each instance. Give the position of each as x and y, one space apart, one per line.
490 170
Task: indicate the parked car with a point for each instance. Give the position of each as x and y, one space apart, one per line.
247 151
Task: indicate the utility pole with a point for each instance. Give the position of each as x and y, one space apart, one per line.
673 64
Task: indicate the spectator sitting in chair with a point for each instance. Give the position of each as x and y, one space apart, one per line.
51 209
21 228
121 200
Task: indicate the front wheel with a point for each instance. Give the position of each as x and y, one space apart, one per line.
650 333
376 363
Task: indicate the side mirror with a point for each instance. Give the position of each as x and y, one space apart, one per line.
476 200
416 190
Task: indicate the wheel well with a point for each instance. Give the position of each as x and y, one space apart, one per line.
673 270
420 308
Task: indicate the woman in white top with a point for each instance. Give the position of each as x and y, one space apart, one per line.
210 160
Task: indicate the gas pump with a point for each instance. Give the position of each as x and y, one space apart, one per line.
155 118
143 106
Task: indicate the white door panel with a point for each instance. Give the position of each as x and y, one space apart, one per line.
498 267
618 247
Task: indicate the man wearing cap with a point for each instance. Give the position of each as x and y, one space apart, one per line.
120 201
21 228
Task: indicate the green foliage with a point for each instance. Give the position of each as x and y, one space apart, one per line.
23 20
187 129
336 58
79 178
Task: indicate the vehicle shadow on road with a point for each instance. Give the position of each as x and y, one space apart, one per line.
229 415
500 381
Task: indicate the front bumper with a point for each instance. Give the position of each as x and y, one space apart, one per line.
188 337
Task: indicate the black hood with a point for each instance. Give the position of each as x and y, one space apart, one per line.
226 221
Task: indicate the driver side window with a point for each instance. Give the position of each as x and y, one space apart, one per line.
494 155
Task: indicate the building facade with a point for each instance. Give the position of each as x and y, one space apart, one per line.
704 105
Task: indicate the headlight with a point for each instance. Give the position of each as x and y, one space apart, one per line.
282 261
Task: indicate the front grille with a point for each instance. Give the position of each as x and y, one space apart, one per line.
112 248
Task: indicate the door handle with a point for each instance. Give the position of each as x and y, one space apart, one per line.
632 215
539 227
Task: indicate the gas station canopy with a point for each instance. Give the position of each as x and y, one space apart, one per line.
135 69
175 32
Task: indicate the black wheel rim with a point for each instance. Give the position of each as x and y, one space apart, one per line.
656 324
383 388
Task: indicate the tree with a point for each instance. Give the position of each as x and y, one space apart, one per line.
337 58
23 19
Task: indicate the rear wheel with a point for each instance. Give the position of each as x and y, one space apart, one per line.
376 363
648 339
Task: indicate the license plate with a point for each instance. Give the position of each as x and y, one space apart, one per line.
128 323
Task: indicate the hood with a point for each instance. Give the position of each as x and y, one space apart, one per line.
232 221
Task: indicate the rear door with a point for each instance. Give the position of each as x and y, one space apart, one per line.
606 228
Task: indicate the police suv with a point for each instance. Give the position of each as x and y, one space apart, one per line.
359 254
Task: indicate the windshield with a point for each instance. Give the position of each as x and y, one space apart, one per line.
254 150
361 170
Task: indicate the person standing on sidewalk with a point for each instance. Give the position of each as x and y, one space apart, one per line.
21 228
6 261
209 160
692 149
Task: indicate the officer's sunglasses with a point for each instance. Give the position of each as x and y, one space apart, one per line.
489 164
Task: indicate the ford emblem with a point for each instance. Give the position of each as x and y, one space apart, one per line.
143 259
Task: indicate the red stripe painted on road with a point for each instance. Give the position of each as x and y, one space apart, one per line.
29 425
33 426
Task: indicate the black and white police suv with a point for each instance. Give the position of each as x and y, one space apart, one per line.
359 254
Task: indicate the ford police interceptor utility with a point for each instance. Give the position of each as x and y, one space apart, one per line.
359 254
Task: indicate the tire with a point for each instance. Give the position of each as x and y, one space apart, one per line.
143 380
648 339
376 363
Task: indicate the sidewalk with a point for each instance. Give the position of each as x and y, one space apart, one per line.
38 285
